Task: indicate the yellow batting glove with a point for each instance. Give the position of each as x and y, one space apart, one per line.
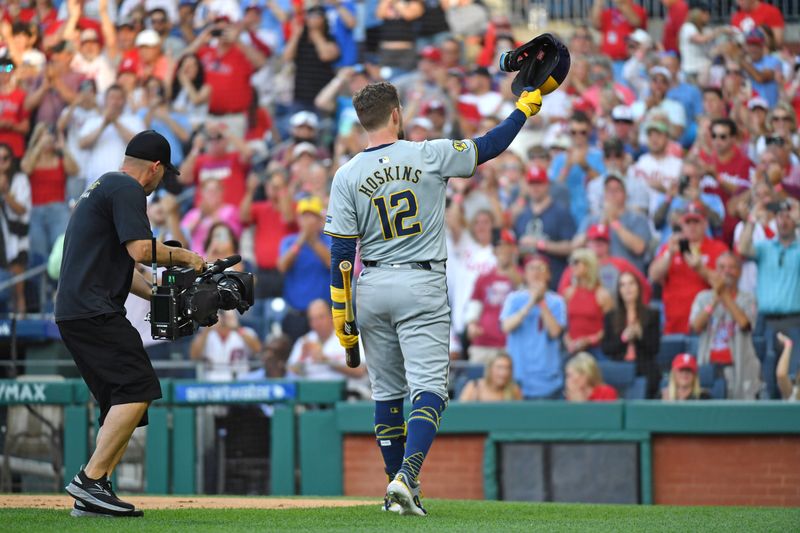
347 341
530 102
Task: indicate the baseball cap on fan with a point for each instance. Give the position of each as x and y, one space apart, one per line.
150 145
685 361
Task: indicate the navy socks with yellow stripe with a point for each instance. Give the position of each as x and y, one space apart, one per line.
423 423
390 433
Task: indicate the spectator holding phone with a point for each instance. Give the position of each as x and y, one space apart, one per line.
778 287
683 265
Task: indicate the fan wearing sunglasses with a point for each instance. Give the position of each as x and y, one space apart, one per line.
728 162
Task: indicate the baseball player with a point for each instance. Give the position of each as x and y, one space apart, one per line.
392 198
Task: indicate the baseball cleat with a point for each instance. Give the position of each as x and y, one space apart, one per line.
405 492
390 506
81 510
99 494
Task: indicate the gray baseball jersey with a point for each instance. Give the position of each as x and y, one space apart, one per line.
393 198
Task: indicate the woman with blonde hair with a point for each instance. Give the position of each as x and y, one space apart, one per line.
684 382
587 302
584 381
497 384
782 125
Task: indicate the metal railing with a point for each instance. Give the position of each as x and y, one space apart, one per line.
37 271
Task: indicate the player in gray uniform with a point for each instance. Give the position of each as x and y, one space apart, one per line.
392 198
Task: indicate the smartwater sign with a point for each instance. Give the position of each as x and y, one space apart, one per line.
246 392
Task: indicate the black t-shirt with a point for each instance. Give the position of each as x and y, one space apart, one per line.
312 73
96 269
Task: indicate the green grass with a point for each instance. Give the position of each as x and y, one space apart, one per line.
445 515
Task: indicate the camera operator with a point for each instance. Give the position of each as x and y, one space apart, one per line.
108 233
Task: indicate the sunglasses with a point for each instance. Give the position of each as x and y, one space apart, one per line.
579 132
721 136
7 68
216 138
781 118
158 20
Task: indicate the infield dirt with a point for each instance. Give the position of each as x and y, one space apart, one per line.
31 501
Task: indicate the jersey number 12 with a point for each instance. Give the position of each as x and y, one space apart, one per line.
402 206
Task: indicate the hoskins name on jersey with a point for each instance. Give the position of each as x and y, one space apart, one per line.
387 174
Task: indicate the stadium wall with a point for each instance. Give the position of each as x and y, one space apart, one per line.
692 453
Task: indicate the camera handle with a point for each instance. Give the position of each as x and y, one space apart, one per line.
154 286
220 265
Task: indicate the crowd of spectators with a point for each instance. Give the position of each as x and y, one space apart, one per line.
655 193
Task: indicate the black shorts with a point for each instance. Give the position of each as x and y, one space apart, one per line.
109 354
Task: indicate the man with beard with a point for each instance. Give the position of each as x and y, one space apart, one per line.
391 197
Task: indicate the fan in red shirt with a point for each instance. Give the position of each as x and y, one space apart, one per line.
754 13
730 165
14 122
683 269
584 381
230 167
677 10
228 65
273 219
487 340
616 23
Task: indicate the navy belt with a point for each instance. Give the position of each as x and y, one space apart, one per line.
418 265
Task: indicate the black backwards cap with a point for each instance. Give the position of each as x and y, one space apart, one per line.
150 145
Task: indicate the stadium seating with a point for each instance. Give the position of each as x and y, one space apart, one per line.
622 376
671 345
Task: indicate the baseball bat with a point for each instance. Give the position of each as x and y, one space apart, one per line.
352 355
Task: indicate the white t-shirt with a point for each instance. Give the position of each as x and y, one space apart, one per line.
694 57
331 349
74 126
226 359
636 191
664 171
99 69
466 261
20 189
107 153
488 103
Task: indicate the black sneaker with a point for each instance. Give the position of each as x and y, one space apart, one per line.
98 493
82 510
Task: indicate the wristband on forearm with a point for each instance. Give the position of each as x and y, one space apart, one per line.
337 297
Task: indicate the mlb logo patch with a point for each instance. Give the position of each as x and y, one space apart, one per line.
383 160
